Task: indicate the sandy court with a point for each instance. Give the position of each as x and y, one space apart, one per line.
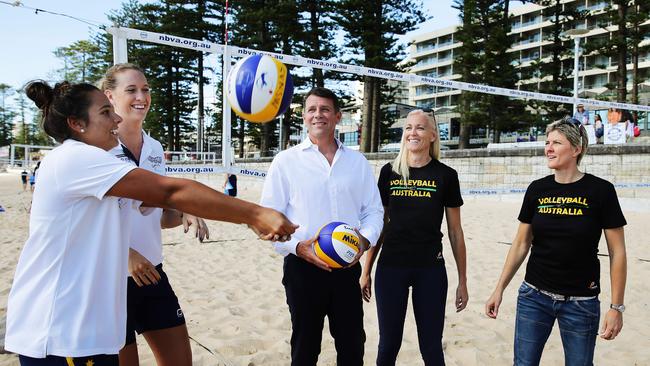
231 292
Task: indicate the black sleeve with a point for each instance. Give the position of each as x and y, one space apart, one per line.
452 196
527 206
384 183
611 213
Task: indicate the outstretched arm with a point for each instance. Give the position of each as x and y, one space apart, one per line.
200 200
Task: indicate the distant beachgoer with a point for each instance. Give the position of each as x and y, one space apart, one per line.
32 181
581 114
562 218
230 185
23 177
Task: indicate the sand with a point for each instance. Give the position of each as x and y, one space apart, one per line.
231 292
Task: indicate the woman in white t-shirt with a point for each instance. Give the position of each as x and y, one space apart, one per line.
67 304
153 309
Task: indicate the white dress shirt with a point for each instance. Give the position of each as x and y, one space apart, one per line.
302 185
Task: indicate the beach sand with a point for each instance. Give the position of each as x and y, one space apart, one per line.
231 293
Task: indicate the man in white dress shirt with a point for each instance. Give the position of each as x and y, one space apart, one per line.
313 184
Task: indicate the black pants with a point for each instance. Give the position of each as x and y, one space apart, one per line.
429 293
313 294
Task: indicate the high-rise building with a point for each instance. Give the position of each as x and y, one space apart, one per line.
434 54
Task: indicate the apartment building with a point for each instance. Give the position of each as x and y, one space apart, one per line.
434 54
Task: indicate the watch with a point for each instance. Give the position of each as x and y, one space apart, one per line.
618 307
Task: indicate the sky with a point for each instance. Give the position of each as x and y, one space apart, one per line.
27 39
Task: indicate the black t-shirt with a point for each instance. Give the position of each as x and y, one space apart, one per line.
567 221
412 237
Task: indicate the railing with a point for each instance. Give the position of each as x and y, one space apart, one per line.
527 23
599 6
184 156
425 47
537 38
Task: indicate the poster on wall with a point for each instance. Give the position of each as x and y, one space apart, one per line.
591 134
614 134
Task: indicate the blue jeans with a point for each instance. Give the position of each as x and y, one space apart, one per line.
429 293
536 314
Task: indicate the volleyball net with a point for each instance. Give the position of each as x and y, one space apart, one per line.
120 55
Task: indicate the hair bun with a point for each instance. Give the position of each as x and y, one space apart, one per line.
39 92
61 88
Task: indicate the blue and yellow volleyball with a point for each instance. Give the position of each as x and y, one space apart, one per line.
259 88
337 244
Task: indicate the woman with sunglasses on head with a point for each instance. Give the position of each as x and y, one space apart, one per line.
562 218
67 304
417 191
153 309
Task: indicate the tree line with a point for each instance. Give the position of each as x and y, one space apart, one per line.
367 31
360 32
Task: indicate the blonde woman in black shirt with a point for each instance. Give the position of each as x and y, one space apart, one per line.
561 221
416 191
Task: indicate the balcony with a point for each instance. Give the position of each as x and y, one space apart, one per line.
528 40
518 25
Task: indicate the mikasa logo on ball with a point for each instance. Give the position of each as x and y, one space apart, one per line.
350 239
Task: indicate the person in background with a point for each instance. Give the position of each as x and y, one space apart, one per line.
627 117
581 114
230 185
23 178
561 221
599 128
32 180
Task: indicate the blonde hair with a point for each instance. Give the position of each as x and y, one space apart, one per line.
573 130
401 162
109 81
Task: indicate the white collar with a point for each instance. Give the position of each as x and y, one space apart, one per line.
307 144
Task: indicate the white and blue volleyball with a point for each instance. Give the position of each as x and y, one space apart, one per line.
337 244
259 88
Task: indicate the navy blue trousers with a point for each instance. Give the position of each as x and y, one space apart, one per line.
429 286
312 295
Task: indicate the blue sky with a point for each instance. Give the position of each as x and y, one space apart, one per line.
28 40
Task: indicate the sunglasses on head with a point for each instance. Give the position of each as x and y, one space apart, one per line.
572 121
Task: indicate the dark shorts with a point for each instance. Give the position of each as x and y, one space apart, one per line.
151 307
95 360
